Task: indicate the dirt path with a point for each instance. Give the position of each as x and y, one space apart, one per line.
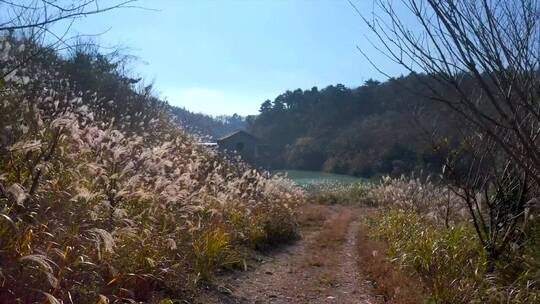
320 268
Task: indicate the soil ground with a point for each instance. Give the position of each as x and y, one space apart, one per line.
319 268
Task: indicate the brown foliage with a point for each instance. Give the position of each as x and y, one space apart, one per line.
312 215
334 231
395 286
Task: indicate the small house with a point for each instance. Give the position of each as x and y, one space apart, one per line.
241 142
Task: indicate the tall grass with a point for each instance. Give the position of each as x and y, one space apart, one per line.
343 194
393 284
450 262
435 201
95 208
428 235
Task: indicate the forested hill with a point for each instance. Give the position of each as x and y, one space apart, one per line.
207 126
377 128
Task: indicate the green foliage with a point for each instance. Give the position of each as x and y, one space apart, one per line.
518 276
267 227
428 236
213 250
361 131
449 262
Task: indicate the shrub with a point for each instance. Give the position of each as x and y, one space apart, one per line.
518 277
449 262
280 225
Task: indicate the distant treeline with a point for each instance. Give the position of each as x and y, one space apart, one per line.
206 126
377 128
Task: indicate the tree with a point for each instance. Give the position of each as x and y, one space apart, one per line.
494 45
266 106
483 59
31 14
279 103
351 130
34 19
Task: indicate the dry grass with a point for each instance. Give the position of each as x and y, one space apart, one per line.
316 260
334 231
328 278
312 215
107 201
324 249
435 201
395 286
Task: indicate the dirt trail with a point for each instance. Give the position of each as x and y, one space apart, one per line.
320 268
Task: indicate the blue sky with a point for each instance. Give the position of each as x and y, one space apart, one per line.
225 57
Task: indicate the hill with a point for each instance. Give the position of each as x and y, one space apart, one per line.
206 126
377 128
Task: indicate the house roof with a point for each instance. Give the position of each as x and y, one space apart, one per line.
236 133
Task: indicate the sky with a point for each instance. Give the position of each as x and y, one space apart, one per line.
221 57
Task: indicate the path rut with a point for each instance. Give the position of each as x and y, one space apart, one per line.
305 272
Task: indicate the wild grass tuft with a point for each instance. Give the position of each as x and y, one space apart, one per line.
213 250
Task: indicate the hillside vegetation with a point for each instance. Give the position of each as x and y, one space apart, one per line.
370 130
104 198
208 127
421 240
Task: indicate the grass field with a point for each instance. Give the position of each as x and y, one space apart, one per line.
314 178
